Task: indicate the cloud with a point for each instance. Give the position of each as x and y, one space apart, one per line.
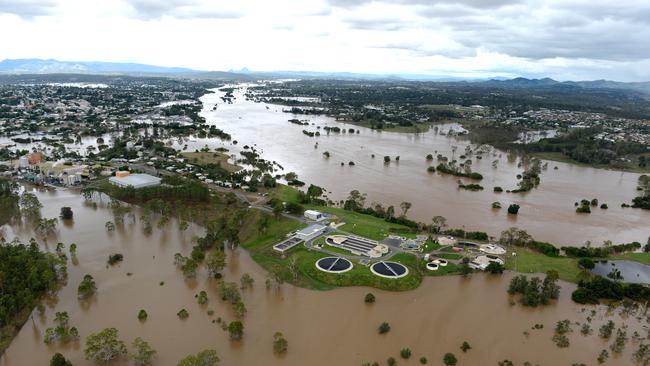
479 4
556 38
182 9
27 8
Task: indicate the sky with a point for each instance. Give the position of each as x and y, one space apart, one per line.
561 39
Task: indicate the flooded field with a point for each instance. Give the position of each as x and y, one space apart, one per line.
547 212
323 328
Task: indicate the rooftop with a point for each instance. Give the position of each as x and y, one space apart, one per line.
136 180
311 229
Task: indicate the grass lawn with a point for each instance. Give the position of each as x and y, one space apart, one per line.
205 158
449 269
255 241
355 223
362 225
452 256
260 246
310 277
637 257
430 246
528 261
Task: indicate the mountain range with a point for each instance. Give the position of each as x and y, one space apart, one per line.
51 66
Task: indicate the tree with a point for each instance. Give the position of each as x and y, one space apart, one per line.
104 346
513 209
87 287
59 360
449 359
390 212
465 346
30 206
438 223
45 227
216 262
405 353
183 314
586 263
314 192
229 292
370 298
280 343
143 353
236 330
183 225
384 328
204 358
110 226
246 281
465 269
495 268
292 266
66 213
202 298
62 331
405 207
142 315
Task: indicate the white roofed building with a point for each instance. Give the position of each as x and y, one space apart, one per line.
135 181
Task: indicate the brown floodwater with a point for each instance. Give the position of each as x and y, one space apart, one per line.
322 327
547 212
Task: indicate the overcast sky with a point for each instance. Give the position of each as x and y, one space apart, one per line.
562 39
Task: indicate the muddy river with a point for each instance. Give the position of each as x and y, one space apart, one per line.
547 212
323 328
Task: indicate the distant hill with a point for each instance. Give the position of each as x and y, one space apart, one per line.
38 66
51 66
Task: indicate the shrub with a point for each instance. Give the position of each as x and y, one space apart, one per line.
236 330
586 263
280 344
384 328
87 287
405 353
183 314
495 268
142 314
115 258
59 360
465 347
66 214
513 209
370 298
449 359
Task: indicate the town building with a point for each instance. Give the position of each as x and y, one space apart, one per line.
135 181
314 215
311 232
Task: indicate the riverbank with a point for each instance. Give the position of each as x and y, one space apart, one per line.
559 157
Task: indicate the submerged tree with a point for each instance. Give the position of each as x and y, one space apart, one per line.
62 331
280 344
59 360
87 287
203 358
236 330
142 354
104 346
